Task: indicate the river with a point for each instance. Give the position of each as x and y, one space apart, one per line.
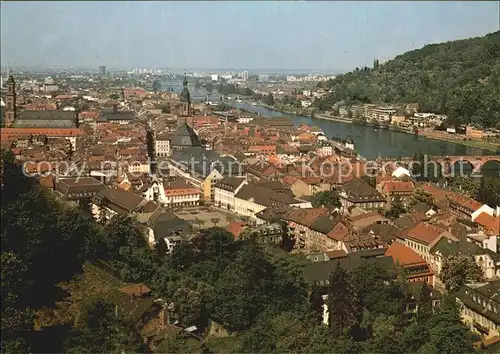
371 143
368 142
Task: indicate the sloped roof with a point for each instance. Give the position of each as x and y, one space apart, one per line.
403 254
166 224
425 233
185 136
358 190
489 223
121 198
68 186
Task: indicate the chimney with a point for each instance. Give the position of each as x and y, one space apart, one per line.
164 315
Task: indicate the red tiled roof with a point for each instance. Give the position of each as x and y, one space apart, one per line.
311 180
47 181
235 228
50 132
469 203
439 194
87 114
180 191
398 186
403 255
489 223
339 232
307 216
289 180
136 290
425 233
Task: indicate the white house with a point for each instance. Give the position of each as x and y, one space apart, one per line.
400 172
225 189
162 146
306 103
173 195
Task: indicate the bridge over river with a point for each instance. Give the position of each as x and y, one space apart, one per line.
488 165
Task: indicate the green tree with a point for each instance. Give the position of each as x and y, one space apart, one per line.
420 195
17 320
114 96
189 307
445 332
489 191
99 329
458 270
464 184
209 87
397 208
326 199
269 100
156 85
344 308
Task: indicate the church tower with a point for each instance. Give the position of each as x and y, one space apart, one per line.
10 101
186 97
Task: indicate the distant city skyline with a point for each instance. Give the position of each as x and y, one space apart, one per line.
328 37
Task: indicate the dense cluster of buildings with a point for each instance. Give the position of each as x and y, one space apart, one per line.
168 162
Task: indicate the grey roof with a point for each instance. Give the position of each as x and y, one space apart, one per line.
119 115
323 224
449 247
202 162
46 115
168 224
274 213
358 190
76 188
45 119
265 196
386 232
120 200
421 207
230 183
185 136
489 293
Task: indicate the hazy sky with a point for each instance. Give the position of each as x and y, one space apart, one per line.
251 35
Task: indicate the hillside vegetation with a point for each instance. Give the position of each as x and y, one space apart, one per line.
459 78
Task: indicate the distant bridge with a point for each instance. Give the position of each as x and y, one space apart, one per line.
447 163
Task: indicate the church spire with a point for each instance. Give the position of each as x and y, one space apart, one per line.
186 96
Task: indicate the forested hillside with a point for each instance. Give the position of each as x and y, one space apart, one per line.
459 78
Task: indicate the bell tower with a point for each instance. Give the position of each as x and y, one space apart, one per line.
10 101
186 97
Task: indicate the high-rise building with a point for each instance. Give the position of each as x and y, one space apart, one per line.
244 75
102 70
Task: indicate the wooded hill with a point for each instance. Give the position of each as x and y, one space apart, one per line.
458 78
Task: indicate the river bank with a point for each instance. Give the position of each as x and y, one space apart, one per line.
372 142
484 145
472 143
